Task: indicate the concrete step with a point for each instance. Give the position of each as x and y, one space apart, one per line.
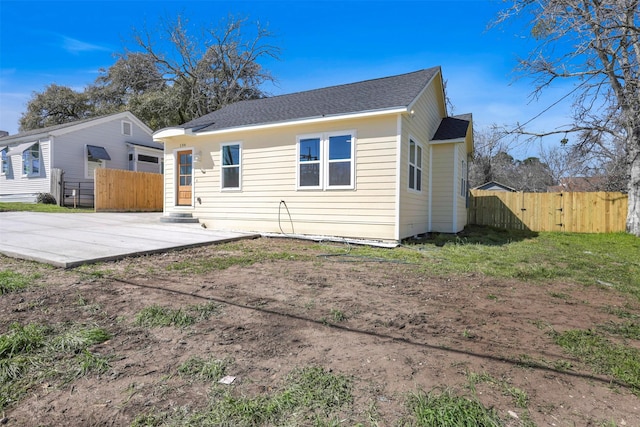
177 217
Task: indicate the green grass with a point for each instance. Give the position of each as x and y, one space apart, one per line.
606 260
446 409
39 207
33 354
603 356
156 316
198 368
15 282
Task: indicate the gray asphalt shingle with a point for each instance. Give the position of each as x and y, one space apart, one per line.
370 95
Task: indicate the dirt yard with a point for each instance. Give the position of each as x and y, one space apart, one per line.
391 328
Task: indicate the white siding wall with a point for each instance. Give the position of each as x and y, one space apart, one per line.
15 186
422 125
269 177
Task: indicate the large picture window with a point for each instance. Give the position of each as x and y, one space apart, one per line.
415 165
326 161
231 166
31 160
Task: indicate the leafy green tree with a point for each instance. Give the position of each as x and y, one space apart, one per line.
55 105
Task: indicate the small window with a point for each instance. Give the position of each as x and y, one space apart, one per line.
415 166
31 160
340 153
148 159
4 168
231 163
127 129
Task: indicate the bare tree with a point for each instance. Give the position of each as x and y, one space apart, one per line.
596 42
220 67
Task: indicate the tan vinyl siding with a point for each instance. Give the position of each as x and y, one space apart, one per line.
428 111
443 187
268 177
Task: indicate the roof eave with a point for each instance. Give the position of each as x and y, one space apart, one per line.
303 121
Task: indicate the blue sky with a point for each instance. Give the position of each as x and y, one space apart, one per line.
323 43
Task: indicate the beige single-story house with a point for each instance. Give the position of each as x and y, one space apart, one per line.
375 160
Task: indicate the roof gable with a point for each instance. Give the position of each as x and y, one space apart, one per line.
368 96
73 126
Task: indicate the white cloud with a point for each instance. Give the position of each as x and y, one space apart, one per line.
76 46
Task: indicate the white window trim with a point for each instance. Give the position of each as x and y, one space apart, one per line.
122 126
4 163
409 164
324 161
318 162
464 181
223 167
30 174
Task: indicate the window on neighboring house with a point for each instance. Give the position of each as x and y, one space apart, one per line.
96 158
463 179
31 160
231 164
326 161
127 128
415 165
4 168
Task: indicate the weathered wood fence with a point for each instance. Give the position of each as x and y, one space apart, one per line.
120 190
588 212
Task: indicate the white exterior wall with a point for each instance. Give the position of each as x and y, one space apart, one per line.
66 149
268 177
428 111
17 187
71 150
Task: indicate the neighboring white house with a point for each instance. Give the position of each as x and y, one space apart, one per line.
118 141
376 160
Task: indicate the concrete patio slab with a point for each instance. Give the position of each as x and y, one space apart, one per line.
70 239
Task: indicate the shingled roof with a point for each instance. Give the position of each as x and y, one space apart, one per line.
453 128
367 96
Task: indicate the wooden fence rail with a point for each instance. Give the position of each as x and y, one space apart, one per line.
120 190
592 212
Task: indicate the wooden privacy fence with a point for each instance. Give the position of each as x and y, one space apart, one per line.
592 212
120 190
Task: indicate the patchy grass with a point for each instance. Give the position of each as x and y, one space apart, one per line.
444 408
310 396
32 354
209 370
39 207
603 356
15 282
230 255
156 316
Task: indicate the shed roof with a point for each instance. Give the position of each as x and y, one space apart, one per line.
453 128
366 96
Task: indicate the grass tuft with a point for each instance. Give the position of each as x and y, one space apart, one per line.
444 408
210 370
14 282
604 357
156 316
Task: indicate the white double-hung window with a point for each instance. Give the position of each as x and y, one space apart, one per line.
31 160
231 166
415 165
326 161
